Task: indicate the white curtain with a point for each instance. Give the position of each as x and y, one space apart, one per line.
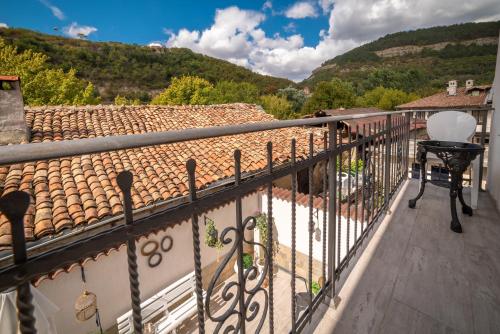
44 313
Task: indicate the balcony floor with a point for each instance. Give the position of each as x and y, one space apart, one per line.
416 276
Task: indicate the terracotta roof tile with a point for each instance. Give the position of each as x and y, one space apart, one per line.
442 100
82 190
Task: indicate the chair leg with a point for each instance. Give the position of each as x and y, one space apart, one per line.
465 208
423 181
454 190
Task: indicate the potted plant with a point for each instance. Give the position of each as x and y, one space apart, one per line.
315 287
247 262
261 225
212 237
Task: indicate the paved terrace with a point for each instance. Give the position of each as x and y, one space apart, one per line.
416 276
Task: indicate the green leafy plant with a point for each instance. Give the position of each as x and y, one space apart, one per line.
315 288
212 236
247 260
42 85
262 227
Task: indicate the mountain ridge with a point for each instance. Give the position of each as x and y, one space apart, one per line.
132 70
431 56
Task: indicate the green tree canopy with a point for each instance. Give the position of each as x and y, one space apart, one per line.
277 106
295 96
41 85
122 101
385 98
185 90
330 95
233 92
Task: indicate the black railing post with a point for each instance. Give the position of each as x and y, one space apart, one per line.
482 141
239 239
294 227
270 241
332 199
191 169
387 163
14 206
311 226
407 143
124 180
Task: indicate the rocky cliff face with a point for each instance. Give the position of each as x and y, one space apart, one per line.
412 49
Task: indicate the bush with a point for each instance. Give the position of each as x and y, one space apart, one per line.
185 90
277 106
385 98
233 92
330 95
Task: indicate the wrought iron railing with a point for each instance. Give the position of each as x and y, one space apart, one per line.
361 169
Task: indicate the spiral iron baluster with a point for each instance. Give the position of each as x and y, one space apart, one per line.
14 206
191 169
124 180
294 208
270 234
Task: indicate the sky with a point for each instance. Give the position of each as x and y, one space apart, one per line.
280 38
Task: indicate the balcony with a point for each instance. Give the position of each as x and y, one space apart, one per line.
339 249
414 276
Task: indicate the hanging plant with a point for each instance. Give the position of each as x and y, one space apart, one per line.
212 235
262 227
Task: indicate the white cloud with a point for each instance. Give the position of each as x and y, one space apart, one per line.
77 31
290 27
364 20
267 5
326 5
3 25
236 34
55 10
301 10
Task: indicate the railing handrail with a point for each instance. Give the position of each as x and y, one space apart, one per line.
20 153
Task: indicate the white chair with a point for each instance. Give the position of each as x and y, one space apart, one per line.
460 127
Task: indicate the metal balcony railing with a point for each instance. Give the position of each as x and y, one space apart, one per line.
379 152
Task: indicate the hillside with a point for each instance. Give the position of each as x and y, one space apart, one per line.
420 61
133 70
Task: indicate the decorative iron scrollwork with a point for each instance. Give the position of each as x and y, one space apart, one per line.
233 291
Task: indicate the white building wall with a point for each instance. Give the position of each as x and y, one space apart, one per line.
494 153
108 276
282 214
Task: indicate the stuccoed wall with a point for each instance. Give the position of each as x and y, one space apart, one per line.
108 276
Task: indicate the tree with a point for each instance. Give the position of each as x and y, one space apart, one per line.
232 92
330 95
295 96
277 106
185 90
40 84
122 101
385 98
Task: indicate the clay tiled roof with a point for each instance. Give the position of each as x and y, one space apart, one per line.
347 209
463 99
359 122
72 192
9 78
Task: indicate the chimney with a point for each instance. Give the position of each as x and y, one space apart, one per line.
13 129
469 84
452 88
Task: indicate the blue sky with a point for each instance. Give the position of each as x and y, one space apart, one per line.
281 38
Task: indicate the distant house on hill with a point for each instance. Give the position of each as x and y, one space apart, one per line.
468 97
